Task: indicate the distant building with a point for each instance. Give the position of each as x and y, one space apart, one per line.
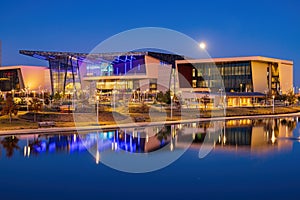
126 71
21 77
245 81
238 74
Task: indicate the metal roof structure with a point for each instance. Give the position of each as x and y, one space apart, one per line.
94 57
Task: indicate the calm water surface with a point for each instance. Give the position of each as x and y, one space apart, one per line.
250 159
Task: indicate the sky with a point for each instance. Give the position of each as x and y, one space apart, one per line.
229 27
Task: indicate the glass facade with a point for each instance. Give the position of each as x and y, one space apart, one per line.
236 76
9 80
122 65
65 75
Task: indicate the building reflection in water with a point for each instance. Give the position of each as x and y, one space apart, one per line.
259 136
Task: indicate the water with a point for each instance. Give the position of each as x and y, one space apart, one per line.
249 159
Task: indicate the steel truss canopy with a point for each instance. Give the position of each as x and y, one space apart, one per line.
65 66
114 57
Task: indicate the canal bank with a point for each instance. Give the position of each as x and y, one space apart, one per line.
82 129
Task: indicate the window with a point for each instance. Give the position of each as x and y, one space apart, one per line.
194 83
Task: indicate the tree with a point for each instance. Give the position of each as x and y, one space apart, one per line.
205 100
1 102
57 96
164 97
1 99
159 96
291 97
36 105
10 143
164 133
10 107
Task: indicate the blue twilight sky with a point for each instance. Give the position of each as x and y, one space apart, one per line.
230 28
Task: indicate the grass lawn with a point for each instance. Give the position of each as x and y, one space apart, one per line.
16 123
24 120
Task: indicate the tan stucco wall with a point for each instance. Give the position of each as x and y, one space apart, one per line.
152 65
258 139
36 77
286 77
259 76
159 72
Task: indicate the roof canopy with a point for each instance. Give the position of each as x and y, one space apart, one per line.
98 57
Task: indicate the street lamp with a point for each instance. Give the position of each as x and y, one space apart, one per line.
133 91
13 93
27 100
97 109
147 94
221 90
171 114
114 99
43 97
273 97
223 99
73 98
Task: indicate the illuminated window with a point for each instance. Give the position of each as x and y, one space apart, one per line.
194 83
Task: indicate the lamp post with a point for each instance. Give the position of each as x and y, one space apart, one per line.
266 93
147 94
13 93
133 91
273 97
97 109
171 114
73 98
114 99
223 100
43 97
26 89
221 90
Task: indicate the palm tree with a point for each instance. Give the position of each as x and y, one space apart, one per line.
10 107
164 133
10 143
36 106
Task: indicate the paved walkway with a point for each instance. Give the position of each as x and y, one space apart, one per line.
130 125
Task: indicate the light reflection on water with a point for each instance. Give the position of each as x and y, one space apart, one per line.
251 159
257 136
